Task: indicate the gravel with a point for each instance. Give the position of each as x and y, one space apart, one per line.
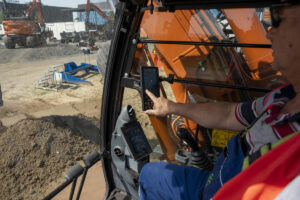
38 53
37 152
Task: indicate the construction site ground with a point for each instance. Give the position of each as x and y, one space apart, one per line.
43 133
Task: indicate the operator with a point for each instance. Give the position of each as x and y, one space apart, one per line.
265 120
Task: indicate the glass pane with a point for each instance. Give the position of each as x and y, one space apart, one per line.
243 66
50 96
232 65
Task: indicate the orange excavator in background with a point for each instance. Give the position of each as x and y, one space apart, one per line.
107 31
90 6
24 30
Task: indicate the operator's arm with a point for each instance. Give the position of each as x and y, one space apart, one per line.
210 115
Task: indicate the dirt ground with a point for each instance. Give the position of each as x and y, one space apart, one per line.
36 151
21 99
43 133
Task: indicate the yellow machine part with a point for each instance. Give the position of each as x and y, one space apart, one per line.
221 137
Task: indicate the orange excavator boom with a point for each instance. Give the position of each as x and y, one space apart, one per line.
33 6
90 6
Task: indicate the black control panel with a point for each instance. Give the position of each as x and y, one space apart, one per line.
129 149
136 140
149 81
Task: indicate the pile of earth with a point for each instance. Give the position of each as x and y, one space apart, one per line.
38 53
37 152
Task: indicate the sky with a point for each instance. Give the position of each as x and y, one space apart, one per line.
60 3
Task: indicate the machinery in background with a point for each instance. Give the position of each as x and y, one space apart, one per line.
56 76
70 37
24 30
107 28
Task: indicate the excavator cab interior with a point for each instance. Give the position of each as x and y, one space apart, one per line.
189 52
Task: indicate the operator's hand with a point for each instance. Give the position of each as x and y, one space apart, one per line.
161 106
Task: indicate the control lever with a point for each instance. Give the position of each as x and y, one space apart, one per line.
198 157
185 136
73 174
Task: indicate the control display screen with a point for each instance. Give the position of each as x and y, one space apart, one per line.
136 140
149 81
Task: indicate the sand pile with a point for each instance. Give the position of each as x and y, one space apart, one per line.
37 152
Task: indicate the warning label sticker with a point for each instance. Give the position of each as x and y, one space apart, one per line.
221 137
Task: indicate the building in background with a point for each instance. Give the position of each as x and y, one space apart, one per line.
94 18
63 19
68 27
51 14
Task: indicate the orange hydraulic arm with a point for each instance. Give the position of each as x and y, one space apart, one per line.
187 61
90 6
248 29
36 5
182 61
